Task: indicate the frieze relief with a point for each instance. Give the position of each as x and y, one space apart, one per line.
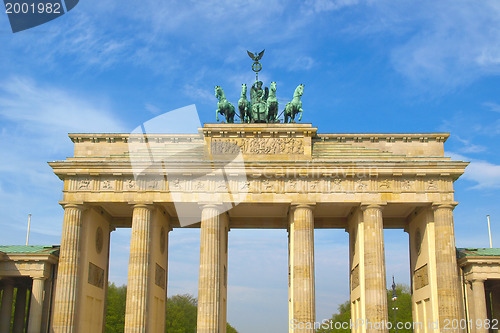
384 185
421 277
257 146
107 184
432 185
407 185
269 184
84 184
129 184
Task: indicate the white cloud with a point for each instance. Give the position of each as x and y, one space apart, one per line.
199 93
152 108
45 110
454 44
486 175
34 121
329 5
469 147
492 106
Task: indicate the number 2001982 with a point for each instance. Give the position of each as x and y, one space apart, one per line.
31 8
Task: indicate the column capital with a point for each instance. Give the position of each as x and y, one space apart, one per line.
147 205
305 205
372 205
215 205
80 206
444 205
39 278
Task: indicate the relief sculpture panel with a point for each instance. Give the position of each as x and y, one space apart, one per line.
256 146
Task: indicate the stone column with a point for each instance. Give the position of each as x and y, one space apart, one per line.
211 290
495 302
479 302
36 305
20 311
6 308
301 252
374 262
448 285
138 282
65 306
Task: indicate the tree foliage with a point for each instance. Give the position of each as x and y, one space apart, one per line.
115 311
181 314
180 318
403 313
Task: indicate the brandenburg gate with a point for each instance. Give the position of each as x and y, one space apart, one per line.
267 175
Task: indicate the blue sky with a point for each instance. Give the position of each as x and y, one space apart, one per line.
367 66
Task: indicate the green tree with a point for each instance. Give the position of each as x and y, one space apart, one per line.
230 329
403 303
181 312
404 315
115 311
343 316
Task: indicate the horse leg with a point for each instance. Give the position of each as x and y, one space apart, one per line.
217 115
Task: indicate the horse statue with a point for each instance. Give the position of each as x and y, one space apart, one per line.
244 105
295 106
223 106
272 104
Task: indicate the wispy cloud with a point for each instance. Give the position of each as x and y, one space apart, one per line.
152 108
44 113
454 44
34 121
469 147
318 6
198 93
486 175
492 106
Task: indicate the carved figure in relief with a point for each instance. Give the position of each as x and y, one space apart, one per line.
223 106
258 146
268 185
245 185
360 185
153 184
199 185
84 184
222 186
130 184
175 184
406 185
295 105
431 185
106 185
384 184
337 183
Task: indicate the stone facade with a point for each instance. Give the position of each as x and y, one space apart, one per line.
28 270
257 176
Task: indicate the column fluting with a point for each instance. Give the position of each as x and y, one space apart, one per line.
138 270
374 266
65 302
